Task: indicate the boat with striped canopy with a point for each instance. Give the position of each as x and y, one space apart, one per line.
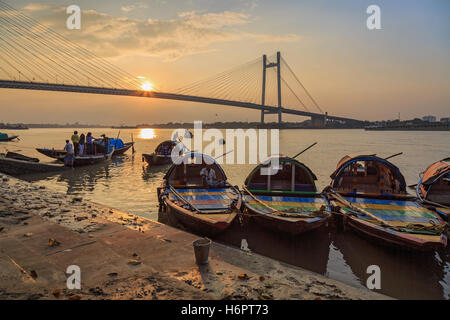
369 193
286 201
433 188
206 208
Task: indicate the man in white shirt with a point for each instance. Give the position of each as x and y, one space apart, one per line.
68 160
208 175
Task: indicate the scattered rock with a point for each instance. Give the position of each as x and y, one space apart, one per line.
28 235
75 297
53 242
33 274
56 293
261 278
113 274
134 262
243 276
81 218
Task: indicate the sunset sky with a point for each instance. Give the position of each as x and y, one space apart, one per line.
350 70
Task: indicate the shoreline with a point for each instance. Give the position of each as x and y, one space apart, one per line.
124 256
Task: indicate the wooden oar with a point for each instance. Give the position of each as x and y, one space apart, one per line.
293 215
115 144
434 204
175 192
394 155
304 150
223 154
341 199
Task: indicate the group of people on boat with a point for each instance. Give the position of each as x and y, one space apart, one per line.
80 145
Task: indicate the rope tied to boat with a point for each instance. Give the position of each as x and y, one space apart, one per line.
433 228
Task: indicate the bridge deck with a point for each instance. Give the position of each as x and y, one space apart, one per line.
159 95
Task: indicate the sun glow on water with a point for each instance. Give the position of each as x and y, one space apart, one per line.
147 134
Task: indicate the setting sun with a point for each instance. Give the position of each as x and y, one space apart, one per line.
147 86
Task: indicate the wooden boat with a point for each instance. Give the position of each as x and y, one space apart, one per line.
52 153
58 153
287 201
369 193
162 154
5 137
433 189
202 208
85 160
119 146
18 156
16 167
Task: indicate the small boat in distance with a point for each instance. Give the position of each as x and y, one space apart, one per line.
369 193
433 189
204 208
5 137
286 202
162 154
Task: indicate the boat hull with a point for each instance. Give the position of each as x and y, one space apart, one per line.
205 223
398 213
155 160
8 139
57 154
288 225
125 148
79 161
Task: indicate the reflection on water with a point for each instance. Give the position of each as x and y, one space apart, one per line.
129 184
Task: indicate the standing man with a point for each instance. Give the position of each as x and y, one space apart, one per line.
68 160
76 142
90 143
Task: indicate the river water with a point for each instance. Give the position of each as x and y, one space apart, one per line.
128 184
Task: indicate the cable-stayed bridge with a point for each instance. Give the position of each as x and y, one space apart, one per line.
34 57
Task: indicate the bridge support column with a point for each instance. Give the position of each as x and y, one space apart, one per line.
279 86
263 98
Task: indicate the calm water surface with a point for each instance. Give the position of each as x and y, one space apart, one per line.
128 184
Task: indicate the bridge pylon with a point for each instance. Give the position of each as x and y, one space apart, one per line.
263 98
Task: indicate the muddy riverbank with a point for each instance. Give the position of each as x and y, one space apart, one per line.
123 256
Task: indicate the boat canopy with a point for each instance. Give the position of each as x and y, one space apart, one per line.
3 135
292 176
116 143
165 147
435 183
187 173
368 174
